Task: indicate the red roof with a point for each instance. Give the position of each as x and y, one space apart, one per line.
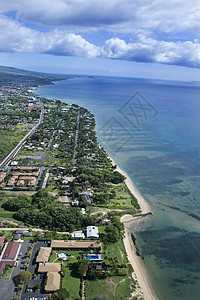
11 250
2 238
3 264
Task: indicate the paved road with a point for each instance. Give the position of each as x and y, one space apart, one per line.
8 288
18 147
39 277
75 148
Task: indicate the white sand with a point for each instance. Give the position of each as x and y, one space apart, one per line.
140 273
139 268
145 208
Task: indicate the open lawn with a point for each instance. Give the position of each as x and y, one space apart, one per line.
98 287
9 139
116 287
122 199
8 234
70 283
6 214
117 251
7 273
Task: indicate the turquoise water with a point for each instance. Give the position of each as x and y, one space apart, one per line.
154 136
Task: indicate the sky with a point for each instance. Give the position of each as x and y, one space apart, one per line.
133 38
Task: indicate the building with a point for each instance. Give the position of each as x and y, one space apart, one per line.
11 250
53 276
43 255
62 244
78 235
92 232
9 254
49 267
53 282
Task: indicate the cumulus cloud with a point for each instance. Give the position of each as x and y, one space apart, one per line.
114 15
17 37
151 50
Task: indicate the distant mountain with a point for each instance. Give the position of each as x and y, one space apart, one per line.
14 71
9 76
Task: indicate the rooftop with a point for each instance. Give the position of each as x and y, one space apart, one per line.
92 231
11 250
53 282
49 267
75 244
43 255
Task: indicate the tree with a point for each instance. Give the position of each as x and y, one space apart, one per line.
82 267
24 276
112 233
61 294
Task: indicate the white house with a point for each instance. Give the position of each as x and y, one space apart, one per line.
78 235
92 232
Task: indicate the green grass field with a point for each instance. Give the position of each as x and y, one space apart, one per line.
7 273
122 199
71 284
116 250
9 139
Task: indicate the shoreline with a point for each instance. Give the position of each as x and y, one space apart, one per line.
140 272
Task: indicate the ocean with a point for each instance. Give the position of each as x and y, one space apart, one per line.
151 129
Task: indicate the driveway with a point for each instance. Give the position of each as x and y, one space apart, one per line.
21 258
39 277
7 287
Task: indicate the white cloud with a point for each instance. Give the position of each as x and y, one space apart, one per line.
16 37
151 50
115 15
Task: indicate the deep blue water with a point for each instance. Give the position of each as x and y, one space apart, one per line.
151 129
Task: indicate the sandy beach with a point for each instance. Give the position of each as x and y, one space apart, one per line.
140 272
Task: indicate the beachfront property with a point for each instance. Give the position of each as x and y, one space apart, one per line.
9 254
53 269
92 232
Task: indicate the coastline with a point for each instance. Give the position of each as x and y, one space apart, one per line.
140 274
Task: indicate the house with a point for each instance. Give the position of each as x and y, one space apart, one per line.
92 232
78 235
43 255
19 233
62 244
20 183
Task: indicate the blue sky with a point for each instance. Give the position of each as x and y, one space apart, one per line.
150 39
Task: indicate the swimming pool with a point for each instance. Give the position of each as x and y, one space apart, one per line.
92 257
62 256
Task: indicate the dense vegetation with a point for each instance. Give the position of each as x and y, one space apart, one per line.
43 211
9 139
30 78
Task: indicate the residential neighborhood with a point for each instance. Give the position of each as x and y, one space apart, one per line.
61 202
